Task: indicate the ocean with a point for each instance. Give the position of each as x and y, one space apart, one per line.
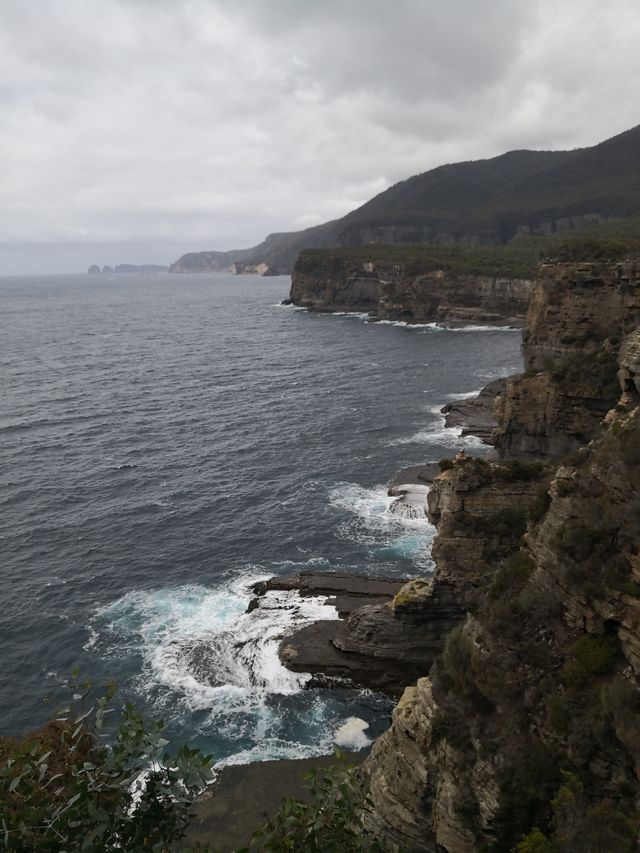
165 441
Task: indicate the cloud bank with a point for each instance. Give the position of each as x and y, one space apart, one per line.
151 127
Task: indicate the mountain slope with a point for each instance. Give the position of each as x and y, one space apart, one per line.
475 202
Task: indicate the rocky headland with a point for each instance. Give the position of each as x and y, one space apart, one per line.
520 655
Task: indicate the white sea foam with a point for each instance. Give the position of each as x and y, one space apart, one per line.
402 324
441 436
373 520
291 306
202 645
465 395
411 501
351 734
472 328
359 315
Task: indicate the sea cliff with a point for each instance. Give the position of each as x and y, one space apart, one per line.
520 656
526 728
414 286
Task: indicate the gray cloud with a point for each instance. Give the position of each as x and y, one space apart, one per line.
151 126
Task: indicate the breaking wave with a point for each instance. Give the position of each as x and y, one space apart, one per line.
372 521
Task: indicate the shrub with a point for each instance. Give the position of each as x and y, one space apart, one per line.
590 656
445 464
62 788
535 842
558 714
621 703
580 541
589 827
565 487
333 822
512 575
508 524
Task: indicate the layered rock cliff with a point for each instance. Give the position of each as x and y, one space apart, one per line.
576 318
525 732
413 288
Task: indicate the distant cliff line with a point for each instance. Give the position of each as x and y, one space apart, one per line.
520 195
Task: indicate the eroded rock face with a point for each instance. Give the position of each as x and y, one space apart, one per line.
629 362
542 417
575 307
395 292
576 318
444 297
335 285
480 511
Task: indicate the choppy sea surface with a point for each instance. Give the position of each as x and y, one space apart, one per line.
167 440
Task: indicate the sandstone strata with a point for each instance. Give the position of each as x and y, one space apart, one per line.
414 293
576 318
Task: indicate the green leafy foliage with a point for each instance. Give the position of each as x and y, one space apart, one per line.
64 788
332 822
534 842
581 825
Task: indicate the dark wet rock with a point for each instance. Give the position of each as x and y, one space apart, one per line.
284 301
313 649
419 475
345 592
476 414
331 682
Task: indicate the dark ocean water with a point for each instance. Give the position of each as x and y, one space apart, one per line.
164 440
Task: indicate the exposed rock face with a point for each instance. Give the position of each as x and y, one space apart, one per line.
397 291
476 415
480 511
400 638
576 318
544 677
575 307
444 297
333 285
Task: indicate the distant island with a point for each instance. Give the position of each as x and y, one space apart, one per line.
94 269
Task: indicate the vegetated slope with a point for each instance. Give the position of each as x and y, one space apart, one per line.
476 202
490 200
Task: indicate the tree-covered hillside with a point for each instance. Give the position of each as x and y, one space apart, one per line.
482 202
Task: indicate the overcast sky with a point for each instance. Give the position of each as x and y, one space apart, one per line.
135 130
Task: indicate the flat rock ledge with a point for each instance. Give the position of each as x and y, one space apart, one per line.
345 592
